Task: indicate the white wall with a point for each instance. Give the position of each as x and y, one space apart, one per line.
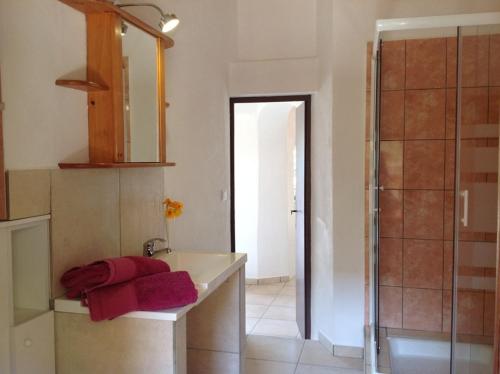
321 194
246 175
198 121
41 41
262 37
263 155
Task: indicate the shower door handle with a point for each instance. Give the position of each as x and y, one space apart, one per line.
465 217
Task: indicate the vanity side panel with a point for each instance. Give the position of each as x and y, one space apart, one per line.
85 223
212 362
215 323
180 346
141 209
243 316
123 345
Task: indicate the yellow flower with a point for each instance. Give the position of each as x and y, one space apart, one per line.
173 209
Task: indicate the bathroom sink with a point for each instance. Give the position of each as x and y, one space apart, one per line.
205 268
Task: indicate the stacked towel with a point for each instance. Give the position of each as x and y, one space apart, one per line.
108 272
113 287
153 292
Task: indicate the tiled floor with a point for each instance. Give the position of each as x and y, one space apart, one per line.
272 355
270 310
274 345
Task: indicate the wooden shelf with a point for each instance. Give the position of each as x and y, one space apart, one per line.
81 85
103 6
109 165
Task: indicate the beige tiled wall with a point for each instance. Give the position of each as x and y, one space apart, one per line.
85 223
417 171
141 215
102 213
28 193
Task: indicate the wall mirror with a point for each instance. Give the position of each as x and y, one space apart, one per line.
140 95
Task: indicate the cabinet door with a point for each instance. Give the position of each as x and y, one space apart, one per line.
33 346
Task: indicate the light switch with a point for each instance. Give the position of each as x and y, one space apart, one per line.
223 195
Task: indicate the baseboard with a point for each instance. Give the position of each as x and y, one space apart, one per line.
340 350
270 280
325 342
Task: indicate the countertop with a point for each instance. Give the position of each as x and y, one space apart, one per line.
208 270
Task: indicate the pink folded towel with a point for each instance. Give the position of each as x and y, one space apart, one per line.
152 292
108 272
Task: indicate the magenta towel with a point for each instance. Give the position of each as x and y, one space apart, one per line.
108 272
152 292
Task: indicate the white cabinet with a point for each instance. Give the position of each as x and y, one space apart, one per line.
26 322
33 346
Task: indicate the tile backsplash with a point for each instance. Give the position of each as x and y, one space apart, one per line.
102 213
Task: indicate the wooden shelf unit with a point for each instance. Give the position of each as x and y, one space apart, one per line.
107 165
104 6
105 99
81 85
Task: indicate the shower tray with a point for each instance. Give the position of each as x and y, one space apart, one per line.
419 356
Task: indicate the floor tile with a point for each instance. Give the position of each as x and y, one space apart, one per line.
288 290
315 354
315 369
266 289
268 367
255 311
284 300
256 299
250 324
271 327
272 348
280 312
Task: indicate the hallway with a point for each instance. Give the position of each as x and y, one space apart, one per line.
274 344
270 310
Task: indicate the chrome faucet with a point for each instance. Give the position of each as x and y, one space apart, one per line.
149 247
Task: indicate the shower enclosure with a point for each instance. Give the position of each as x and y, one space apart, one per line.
432 192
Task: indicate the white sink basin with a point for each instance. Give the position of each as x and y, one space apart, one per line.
203 267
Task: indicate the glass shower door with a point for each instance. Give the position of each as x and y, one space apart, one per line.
475 198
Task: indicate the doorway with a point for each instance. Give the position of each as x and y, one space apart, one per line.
270 210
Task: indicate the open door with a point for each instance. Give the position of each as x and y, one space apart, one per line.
300 223
242 141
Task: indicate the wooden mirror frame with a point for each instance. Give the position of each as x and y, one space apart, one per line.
104 84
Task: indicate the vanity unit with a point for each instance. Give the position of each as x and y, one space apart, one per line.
205 337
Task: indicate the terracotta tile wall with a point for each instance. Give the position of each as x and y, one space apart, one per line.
416 169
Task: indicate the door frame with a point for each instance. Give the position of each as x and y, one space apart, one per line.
307 185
